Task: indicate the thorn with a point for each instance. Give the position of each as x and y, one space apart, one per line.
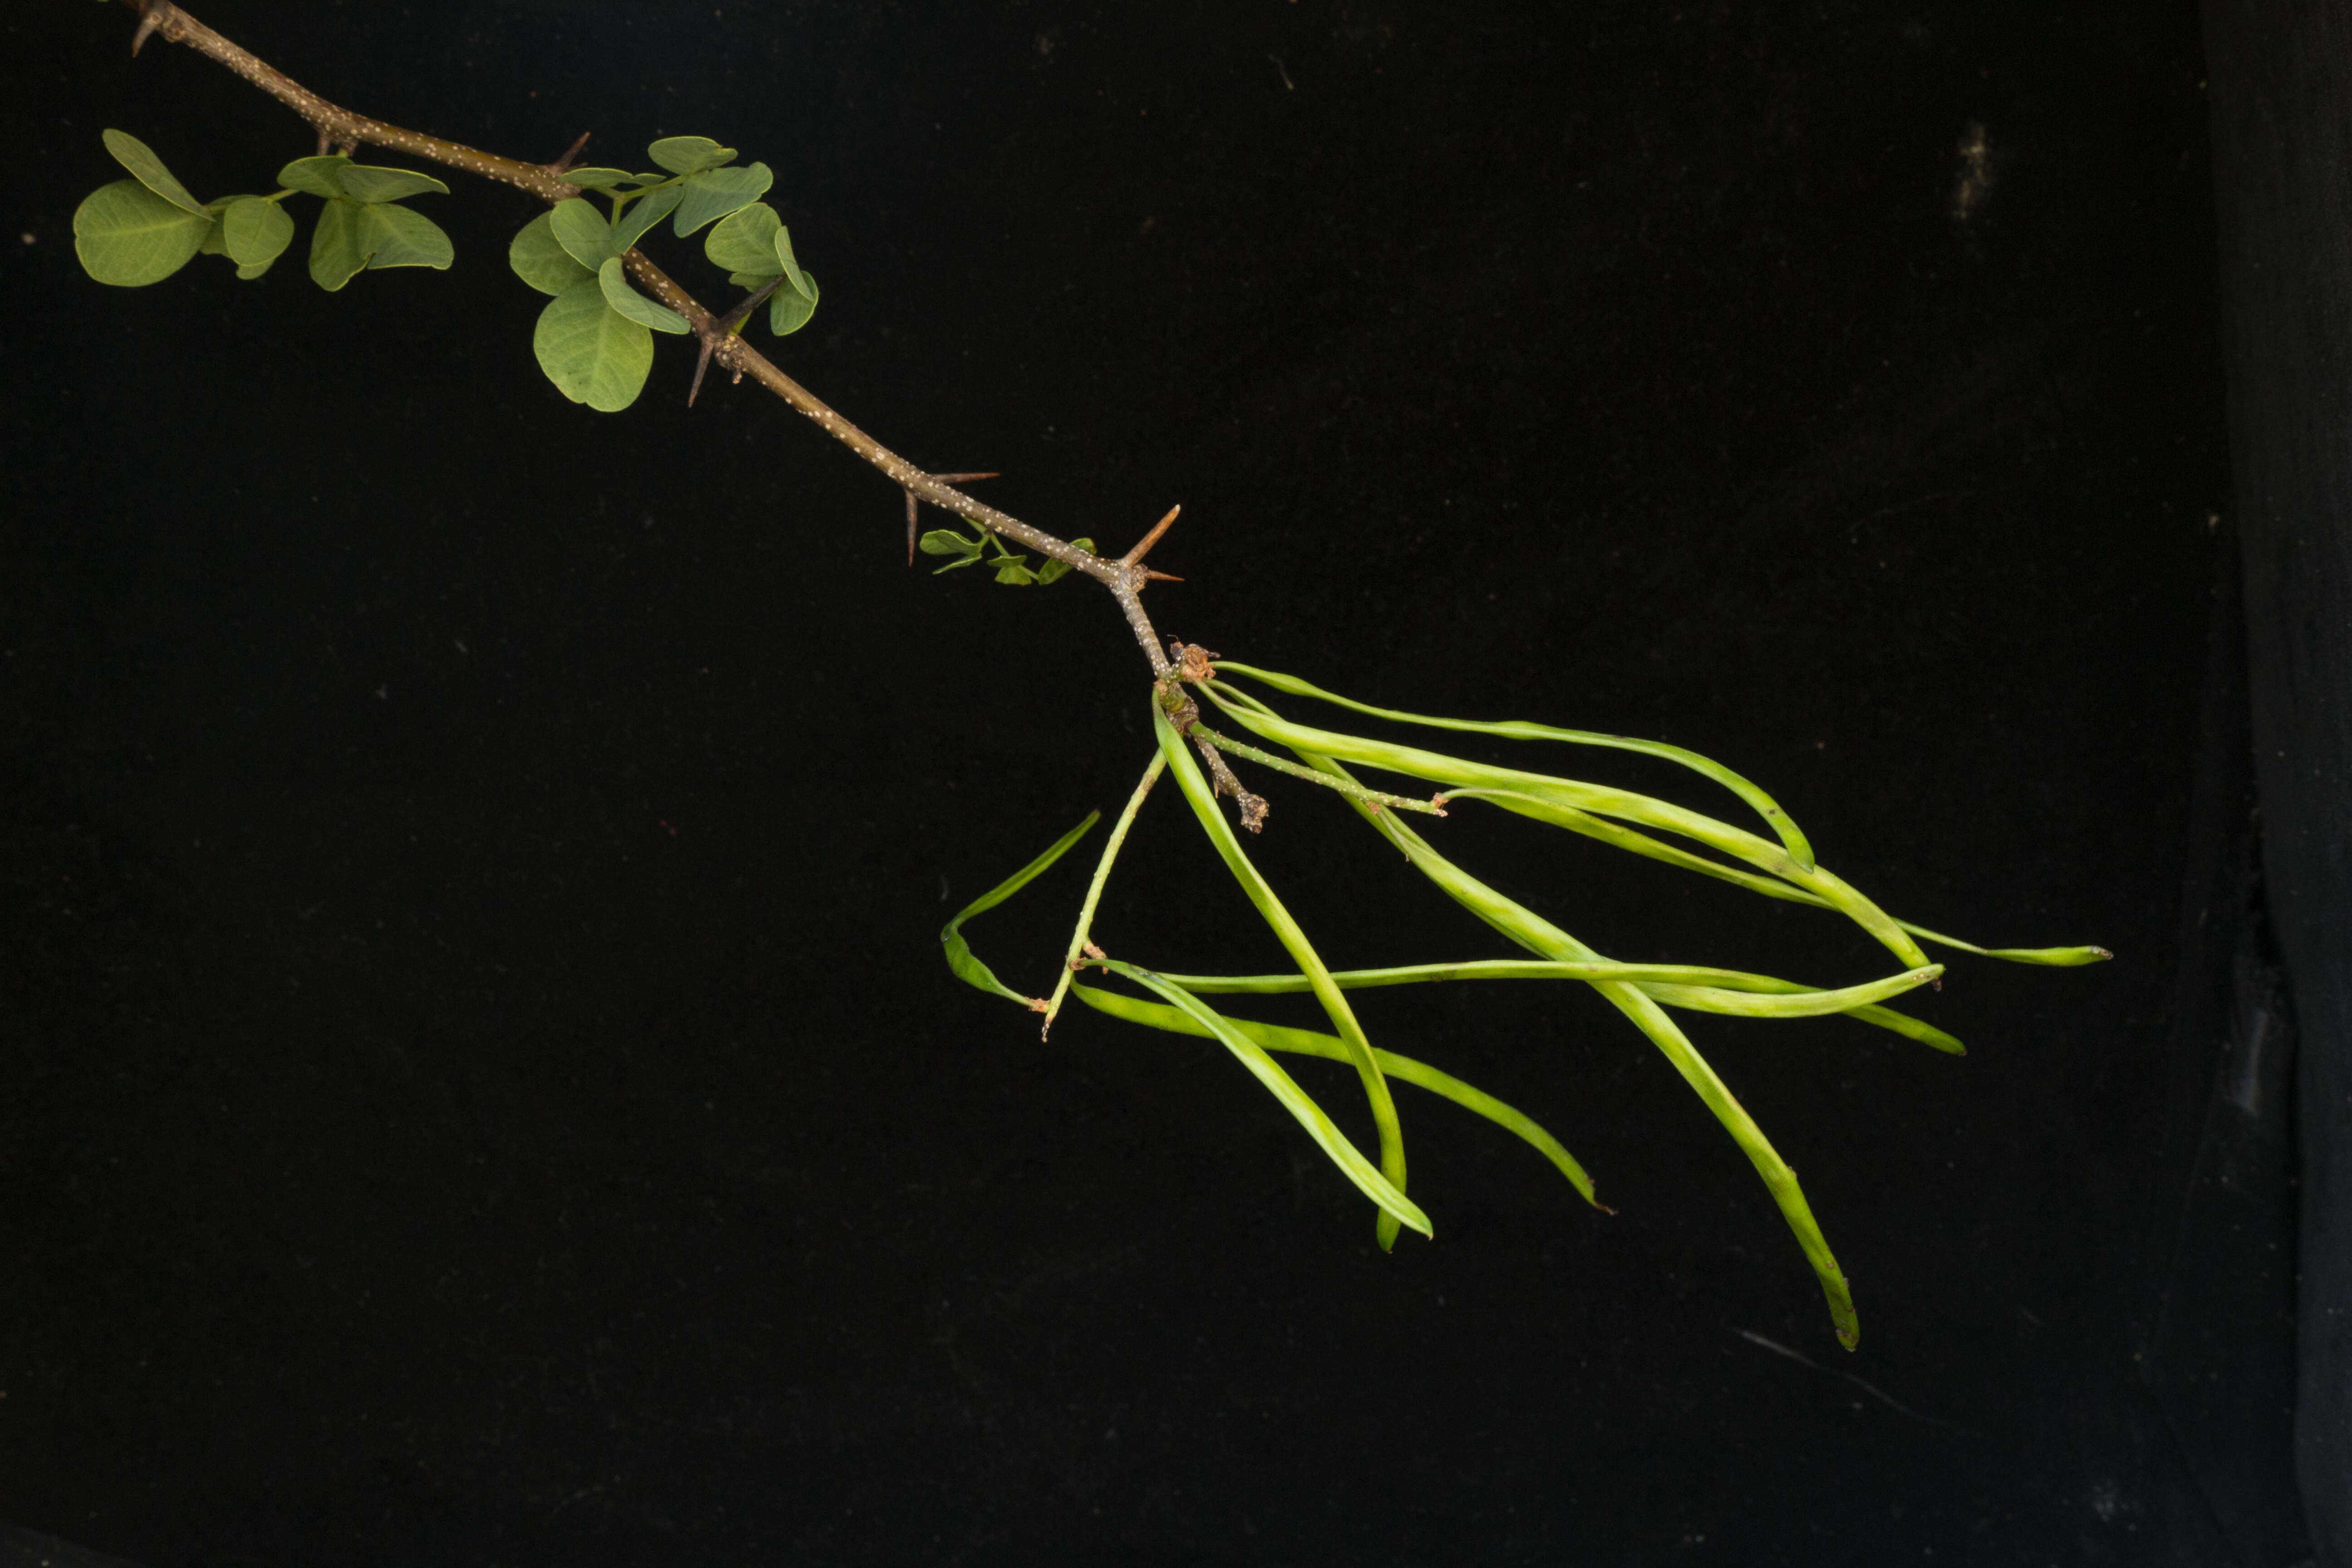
911 528
963 479
1151 576
570 155
700 365
151 18
1137 555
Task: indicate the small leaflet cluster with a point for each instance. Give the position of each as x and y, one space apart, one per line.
1012 567
143 229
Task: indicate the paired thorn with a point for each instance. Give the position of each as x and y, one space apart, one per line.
1135 556
571 157
728 325
912 500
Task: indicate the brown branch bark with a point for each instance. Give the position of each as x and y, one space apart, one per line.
340 126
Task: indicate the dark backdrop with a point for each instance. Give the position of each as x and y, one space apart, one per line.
482 1086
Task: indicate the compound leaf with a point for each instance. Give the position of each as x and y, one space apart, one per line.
394 236
690 155
745 241
613 278
315 176
716 193
642 213
367 183
539 260
594 355
788 311
128 235
583 232
148 170
255 233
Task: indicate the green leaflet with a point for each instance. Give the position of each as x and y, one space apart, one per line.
255 233
690 155
315 176
613 278
789 309
590 351
745 241
127 236
968 968
1310 1042
714 192
801 282
394 236
581 232
540 260
366 182
1395 1207
599 177
148 170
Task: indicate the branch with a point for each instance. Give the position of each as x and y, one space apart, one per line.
339 126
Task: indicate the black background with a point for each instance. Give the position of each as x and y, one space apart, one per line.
483 1087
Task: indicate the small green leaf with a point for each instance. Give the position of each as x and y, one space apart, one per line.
799 280
148 169
336 254
642 213
716 193
788 312
249 273
1018 575
690 155
1054 571
746 241
613 278
315 176
948 541
594 355
607 177
367 183
751 283
541 262
213 244
583 232
255 233
129 237
394 236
